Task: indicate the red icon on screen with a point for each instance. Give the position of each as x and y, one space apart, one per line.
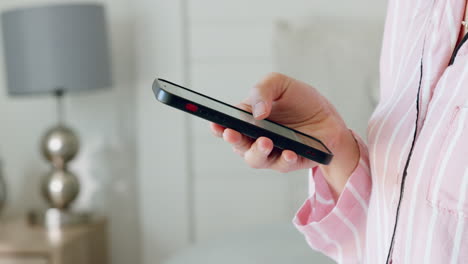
191 107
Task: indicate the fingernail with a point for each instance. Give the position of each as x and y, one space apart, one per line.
259 109
263 149
289 159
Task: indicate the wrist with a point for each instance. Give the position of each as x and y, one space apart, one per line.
346 155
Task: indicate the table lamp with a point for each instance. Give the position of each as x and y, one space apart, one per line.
54 50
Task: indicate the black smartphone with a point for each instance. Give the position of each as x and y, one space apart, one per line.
242 121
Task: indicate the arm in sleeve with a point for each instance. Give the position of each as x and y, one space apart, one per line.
337 228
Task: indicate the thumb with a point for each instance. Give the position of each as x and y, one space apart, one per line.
260 109
265 93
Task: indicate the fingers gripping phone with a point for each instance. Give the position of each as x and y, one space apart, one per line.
242 121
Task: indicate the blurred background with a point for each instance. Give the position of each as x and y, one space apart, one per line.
169 191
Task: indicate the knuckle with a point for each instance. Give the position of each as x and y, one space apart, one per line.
270 78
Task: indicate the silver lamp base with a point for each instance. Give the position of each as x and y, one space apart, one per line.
60 186
54 218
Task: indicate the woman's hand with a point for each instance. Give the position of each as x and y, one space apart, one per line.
301 107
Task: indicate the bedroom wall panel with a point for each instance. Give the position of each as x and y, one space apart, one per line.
235 40
162 138
264 10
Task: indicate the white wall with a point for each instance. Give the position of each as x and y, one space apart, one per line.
229 49
161 136
105 122
218 47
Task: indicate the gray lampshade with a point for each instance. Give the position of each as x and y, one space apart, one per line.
56 47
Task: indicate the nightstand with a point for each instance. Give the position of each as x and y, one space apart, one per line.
21 243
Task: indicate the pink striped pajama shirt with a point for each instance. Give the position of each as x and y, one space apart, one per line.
411 183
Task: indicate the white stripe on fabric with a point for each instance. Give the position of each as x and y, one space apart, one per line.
422 165
378 226
327 239
413 48
377 195
450 17
313 190
426 89
393 36
424 96
409 84
435 192
386 158
461 220
364 165
400 161
380 109
457 239
353 229
405 146
322 200
463 189
393 137
358 197
369 216
368 231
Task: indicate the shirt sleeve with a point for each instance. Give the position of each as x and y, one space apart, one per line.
338 228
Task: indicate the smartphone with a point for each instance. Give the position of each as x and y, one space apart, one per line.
242 121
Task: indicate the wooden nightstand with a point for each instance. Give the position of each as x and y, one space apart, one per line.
79 244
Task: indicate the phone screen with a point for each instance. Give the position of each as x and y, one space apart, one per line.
241 115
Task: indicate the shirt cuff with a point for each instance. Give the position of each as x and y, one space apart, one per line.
320 203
